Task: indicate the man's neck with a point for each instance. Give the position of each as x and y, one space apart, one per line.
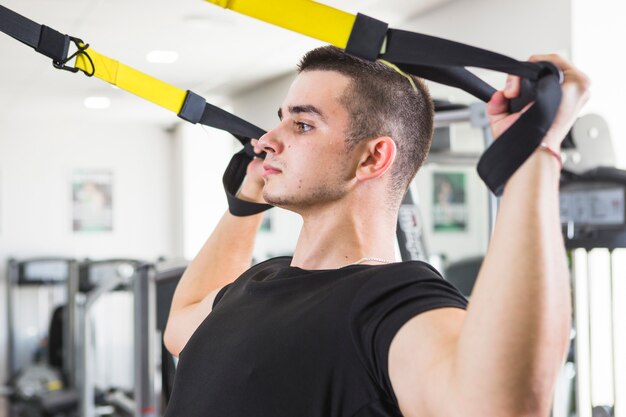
335 237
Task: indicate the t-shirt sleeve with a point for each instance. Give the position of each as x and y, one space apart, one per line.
221 293
386 302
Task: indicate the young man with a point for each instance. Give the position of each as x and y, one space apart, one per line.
341 329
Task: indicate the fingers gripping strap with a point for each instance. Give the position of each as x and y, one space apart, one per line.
235 171
367 37
515 145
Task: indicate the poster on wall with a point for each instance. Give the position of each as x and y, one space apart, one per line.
92 201
450 212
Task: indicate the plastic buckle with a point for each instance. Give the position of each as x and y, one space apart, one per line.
81 49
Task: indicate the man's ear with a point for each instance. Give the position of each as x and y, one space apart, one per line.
377 157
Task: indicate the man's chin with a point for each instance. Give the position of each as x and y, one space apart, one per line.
277 200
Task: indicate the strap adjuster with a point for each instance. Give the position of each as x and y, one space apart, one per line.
367 37
193 107
81 49
52 43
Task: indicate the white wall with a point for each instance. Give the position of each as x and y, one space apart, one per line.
37 159
598 33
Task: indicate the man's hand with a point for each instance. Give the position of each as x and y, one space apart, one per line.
575 89
252 187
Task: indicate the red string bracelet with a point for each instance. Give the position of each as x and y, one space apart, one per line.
544 147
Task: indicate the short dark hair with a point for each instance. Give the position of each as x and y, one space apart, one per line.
381 102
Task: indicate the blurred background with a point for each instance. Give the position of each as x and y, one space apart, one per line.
90 172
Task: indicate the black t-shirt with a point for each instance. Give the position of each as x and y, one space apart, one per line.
286 342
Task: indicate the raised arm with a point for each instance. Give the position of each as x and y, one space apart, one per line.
226 254
501 358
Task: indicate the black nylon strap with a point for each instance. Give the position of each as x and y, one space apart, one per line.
43 39
233 176
19 27
236 170
457 77
444 61
367 37
515 145
419 50
415 48
197 110
220 119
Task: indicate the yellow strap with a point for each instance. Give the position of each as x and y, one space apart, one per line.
133 81
399 71
303 16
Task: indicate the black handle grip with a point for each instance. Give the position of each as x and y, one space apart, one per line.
528 88
527 95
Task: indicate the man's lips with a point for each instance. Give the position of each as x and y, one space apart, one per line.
269 169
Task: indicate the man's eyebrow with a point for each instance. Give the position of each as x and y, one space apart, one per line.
305 108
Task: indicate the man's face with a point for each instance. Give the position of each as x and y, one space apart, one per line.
307 163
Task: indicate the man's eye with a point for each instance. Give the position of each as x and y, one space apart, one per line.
303 127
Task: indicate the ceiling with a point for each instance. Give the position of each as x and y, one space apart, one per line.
220 52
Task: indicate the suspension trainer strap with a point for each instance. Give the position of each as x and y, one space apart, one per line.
186 104
435 59
43 39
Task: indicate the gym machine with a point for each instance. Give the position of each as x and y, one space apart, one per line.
152 287
593 217
97 280
409 231
40 365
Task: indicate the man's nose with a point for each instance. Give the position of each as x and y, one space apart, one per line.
270 141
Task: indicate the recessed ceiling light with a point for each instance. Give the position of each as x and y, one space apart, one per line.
97 102
162 57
